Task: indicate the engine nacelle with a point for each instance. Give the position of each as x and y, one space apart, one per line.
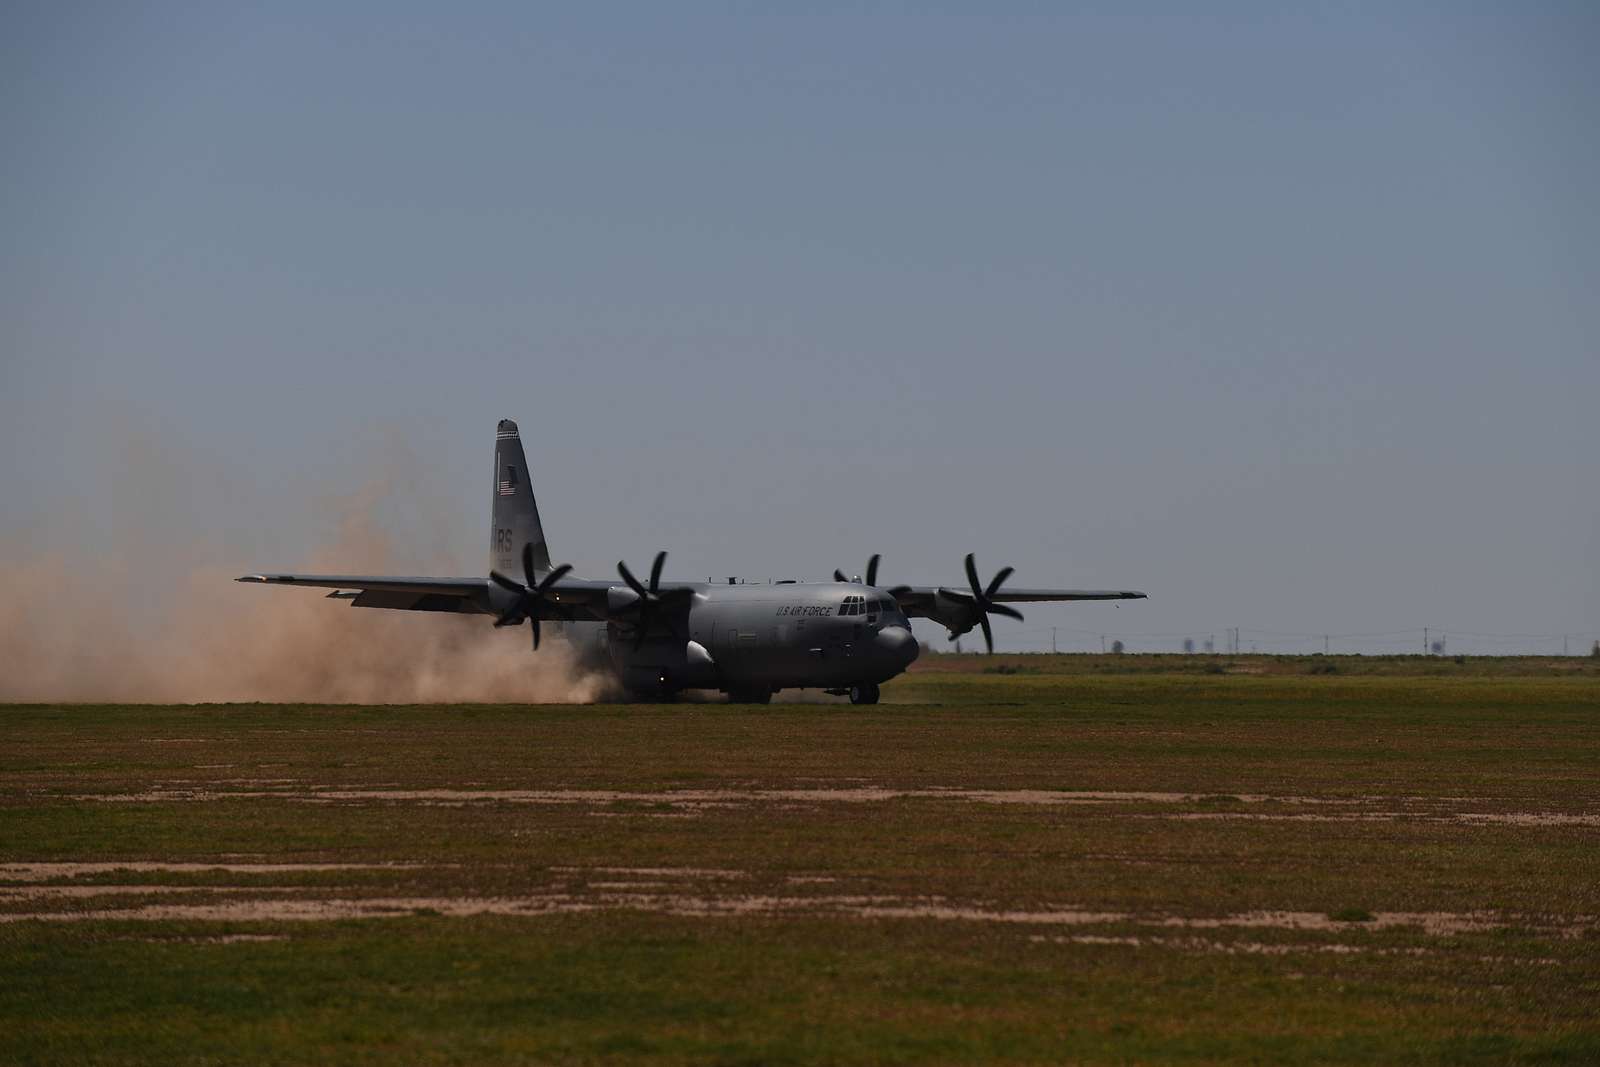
620 599
956 615
663 663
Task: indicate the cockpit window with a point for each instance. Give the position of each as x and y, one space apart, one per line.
853 605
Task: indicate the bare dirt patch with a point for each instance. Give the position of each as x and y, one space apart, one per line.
695 798
690 803
640 896
1530 818
44 872
86 892
1503 818
658 872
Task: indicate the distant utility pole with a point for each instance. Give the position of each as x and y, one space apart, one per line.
1424 640
1102 644
1563 644
1324 644
1053 649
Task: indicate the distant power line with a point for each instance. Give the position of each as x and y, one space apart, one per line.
1431 640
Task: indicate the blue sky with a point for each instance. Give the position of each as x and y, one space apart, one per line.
1285 315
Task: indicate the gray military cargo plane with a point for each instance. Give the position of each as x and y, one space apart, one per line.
847 636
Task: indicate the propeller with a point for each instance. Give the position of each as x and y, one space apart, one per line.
982 599
530 596
651 599
872 577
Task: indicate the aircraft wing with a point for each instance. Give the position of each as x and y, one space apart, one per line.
960 611
1022 596
392 591
919 601
581 598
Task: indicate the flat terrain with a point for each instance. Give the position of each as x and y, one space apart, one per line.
1012 860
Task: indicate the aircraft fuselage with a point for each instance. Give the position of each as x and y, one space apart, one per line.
760 638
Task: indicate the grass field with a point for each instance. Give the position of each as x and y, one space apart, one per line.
1012 860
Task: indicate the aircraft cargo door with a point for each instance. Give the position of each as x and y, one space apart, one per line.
737 643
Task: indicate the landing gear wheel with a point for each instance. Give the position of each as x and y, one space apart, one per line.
863 694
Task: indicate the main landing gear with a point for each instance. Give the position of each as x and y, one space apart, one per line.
863 694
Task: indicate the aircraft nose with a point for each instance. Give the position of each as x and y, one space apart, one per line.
894 644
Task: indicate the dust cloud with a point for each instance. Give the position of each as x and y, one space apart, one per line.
146 626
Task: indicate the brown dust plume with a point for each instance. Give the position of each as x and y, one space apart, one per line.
85 631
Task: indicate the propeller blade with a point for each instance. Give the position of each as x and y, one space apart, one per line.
972 577
512 616
988 634
1005 609
838 575
633 583
998 580
872 569
554 576
650 598
530 597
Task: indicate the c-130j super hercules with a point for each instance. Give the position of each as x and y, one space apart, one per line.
847 636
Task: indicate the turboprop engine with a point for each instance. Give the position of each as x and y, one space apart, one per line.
647 659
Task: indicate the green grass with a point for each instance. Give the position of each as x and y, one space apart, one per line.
1430 774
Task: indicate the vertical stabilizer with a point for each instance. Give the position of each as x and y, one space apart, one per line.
516 516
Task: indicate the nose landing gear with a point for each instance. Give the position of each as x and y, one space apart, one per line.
863 694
